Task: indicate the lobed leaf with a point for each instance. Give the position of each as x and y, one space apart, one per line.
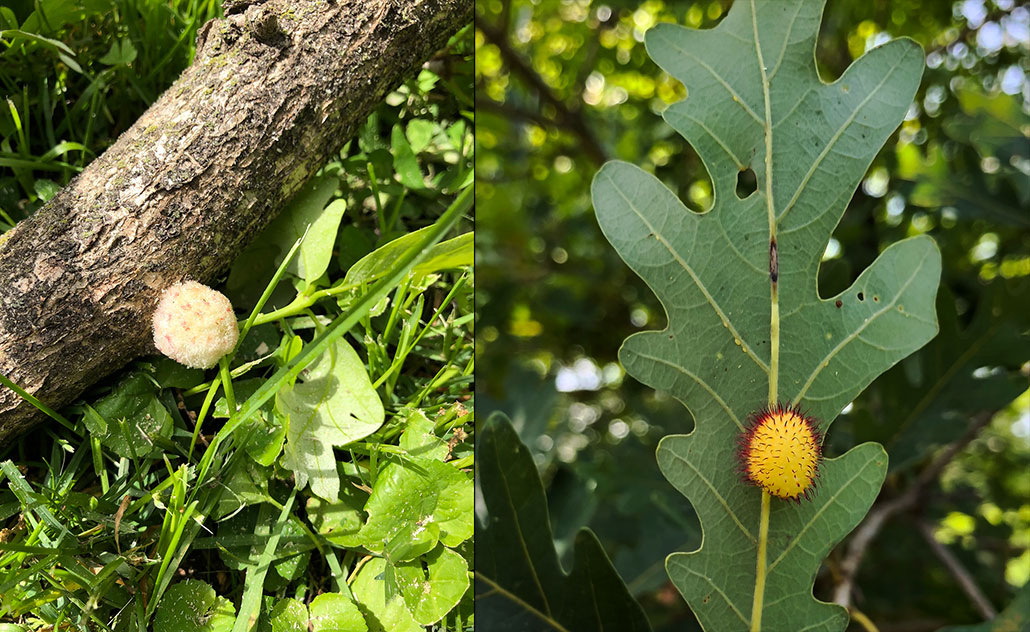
520 584
755 101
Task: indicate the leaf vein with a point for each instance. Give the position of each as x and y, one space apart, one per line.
702 383
831 501
689 270
522 542
833 141
847 339
515 598
786 42
725 148
717 495
715 75
721 594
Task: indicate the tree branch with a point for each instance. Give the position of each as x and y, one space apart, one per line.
516 64
870 527
275 89
513 112
959 572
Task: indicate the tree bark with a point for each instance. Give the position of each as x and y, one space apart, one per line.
275 89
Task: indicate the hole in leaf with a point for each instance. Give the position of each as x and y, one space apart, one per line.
747 183
861 296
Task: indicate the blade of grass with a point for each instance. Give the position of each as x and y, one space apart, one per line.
250 604
53 414
24 493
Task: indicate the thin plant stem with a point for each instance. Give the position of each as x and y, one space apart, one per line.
763 539
859 617
230 396
774 321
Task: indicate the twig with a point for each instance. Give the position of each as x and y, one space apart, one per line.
959 572
514 112
516 64
870 527
859 617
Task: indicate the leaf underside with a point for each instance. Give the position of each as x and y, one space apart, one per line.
334 406
752 81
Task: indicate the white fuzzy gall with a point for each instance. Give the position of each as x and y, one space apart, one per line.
194 325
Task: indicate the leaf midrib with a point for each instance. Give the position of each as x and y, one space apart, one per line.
517 600
522 542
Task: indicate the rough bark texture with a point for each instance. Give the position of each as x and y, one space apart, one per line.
275 89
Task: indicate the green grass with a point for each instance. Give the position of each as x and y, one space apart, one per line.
166 484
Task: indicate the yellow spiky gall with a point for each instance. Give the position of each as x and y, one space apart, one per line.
780 451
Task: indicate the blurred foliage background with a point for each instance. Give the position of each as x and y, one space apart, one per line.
562 86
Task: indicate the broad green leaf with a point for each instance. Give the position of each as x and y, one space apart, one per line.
420 133
289 615
329 612
755 100
419 439
352 243
263 431
122 52
452 253
45 189
339 522
416 503
7 21
307 212
249 486
334 406
520 585
332 612
405 162
317 249
171 374
433 592
129 419
193 606
384 609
